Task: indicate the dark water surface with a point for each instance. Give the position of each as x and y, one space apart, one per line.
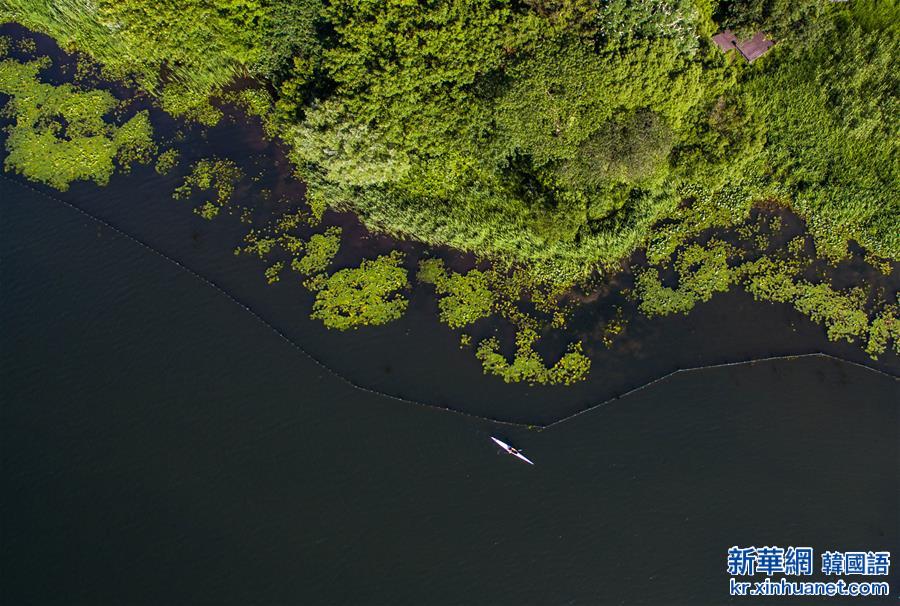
161 446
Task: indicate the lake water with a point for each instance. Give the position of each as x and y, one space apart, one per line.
160 445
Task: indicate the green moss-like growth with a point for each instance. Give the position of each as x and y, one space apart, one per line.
769 279
432 271
464 299
273 272
215 174
882 265
309 257
656 299
59 134
366 295
179 100
613 328
843 313
167 161
134 142
702 272
320 251
26 46
884 328
527 366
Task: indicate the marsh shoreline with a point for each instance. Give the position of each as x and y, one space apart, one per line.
417 358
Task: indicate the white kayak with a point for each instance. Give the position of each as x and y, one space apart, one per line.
511 450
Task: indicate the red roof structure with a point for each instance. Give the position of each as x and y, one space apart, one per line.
751 49
725 40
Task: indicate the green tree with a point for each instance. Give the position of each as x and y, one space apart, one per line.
779 18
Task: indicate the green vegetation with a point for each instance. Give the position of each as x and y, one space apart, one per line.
702 272
309 257
59 134
273 272
561 136
186 51
26 46
553 138
832 116
214 174
613 328
367 295
843 313
852 314
320 250
134 142
466 297
166 161
778 17
884 328
527 365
